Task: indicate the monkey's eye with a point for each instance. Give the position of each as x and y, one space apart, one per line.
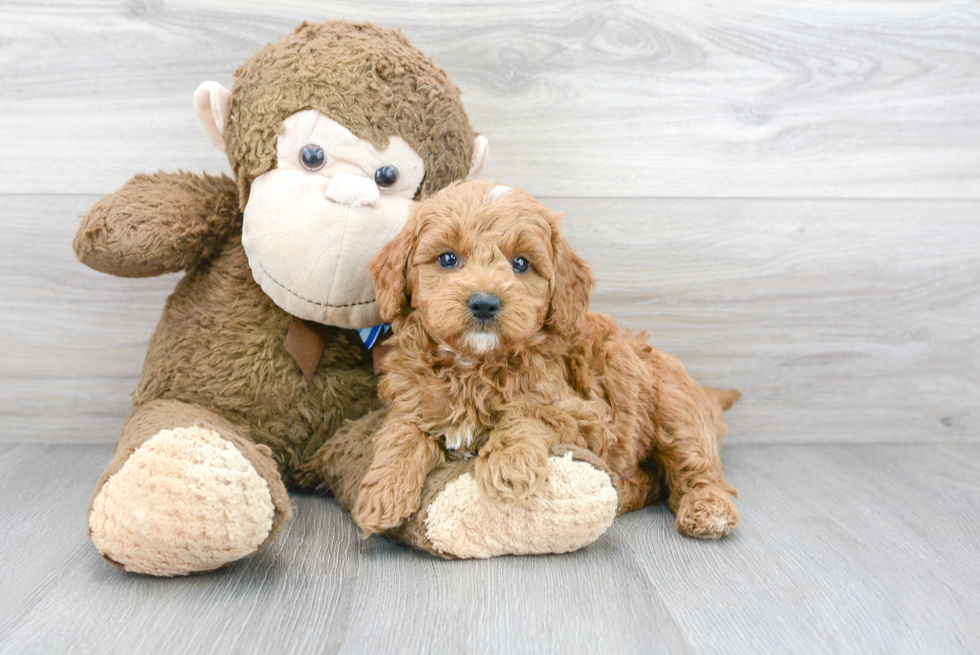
386 176
448 260
313 157
520 265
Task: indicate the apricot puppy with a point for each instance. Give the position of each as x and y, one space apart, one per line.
495 354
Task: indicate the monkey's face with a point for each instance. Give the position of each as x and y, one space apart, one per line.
312 224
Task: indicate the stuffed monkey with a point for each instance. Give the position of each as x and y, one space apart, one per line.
257 362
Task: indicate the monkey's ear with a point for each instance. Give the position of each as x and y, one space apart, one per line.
571 289
211 103
391 271
481 152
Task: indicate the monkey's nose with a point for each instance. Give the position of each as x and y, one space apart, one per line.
353 190
484 306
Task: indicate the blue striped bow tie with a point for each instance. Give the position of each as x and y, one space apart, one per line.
370 335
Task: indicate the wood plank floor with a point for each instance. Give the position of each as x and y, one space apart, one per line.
843 549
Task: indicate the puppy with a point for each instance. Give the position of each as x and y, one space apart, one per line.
496 355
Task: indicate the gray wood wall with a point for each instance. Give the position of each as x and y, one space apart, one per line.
787 194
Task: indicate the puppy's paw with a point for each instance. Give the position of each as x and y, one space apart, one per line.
707 513
383 503
510 473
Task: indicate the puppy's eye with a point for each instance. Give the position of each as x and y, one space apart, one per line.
520 265
386 176
448 260
312 157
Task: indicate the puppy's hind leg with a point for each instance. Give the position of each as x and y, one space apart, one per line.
686 438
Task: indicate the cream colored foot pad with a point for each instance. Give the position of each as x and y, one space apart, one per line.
185 501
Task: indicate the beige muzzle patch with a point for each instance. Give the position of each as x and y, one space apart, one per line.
309 253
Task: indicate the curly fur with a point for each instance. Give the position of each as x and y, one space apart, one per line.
543 371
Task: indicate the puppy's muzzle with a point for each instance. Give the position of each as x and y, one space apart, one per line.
484 306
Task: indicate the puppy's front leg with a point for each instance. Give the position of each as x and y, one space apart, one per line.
391 490
514 461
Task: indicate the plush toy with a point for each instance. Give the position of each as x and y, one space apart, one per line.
257 362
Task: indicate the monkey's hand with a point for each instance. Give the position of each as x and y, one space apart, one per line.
160 223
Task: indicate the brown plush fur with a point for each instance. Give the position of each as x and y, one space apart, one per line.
218 349
543 371
219 343
342 70
161 223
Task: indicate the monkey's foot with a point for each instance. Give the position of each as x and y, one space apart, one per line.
570 509
185 501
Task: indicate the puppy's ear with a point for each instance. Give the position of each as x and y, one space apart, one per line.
571 287
390 270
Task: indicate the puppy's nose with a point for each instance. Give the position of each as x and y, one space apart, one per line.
484 306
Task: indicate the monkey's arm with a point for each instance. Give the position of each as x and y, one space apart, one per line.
160 223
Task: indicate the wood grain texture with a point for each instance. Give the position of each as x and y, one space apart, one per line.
840 321
842 549
72 340
759 98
